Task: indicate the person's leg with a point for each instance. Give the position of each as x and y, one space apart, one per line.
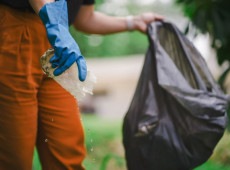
18 87
60 140
17 128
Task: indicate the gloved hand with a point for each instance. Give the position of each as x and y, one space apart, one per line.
55 18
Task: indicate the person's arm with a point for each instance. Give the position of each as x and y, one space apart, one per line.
90 21
54 16
38 4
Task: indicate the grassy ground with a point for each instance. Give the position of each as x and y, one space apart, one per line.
104 145
105 149
211 165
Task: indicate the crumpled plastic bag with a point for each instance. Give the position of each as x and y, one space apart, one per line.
178 112
69 79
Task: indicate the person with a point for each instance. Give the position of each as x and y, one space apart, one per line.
34 109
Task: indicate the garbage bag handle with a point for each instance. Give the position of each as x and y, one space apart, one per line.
154 42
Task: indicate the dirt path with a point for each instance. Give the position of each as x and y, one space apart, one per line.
116 82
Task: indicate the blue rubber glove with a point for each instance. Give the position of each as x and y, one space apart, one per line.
55 18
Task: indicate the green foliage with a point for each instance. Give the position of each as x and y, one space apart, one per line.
212 16
113 45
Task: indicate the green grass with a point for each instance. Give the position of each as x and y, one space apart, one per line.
36 162
105 149
103 142
210 165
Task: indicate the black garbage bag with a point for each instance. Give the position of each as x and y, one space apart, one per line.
178 112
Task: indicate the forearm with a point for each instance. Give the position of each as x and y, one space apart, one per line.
92 22
38 4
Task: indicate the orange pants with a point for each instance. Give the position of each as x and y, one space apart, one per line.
34 109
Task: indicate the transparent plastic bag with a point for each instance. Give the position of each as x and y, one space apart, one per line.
69 79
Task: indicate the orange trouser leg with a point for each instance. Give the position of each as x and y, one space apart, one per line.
19 80
60 135
25 104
